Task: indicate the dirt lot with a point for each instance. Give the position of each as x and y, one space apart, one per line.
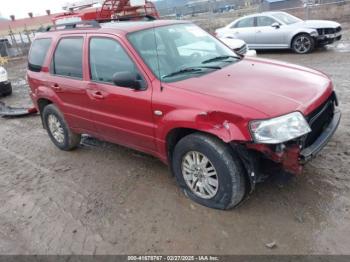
106 199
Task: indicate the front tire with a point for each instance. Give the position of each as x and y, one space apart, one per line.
208 171
303 44
58 130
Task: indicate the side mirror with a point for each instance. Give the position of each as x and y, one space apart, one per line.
129 80
276 25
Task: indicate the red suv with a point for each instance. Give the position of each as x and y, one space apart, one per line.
168 88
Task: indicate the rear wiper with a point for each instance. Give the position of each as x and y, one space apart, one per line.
193 69
219 58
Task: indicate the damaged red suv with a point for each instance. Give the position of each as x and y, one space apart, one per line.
169 89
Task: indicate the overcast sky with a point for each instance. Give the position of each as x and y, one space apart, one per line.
21 8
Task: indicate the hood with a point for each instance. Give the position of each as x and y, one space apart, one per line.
272 87
232 42
316 24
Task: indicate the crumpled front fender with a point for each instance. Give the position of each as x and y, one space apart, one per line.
223 125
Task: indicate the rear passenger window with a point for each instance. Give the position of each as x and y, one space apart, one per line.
246 22
68 58
108 57
38 53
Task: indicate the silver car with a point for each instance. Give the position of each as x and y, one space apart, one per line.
280 30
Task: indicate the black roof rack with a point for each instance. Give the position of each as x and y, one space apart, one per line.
94 24
75 25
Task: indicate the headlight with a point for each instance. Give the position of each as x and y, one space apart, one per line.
314 33
280 129
2 71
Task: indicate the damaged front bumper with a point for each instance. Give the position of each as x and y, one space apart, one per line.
323 40
261 160
310 152
292 156
9 111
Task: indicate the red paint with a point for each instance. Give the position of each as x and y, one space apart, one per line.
288 158
220 103
111 9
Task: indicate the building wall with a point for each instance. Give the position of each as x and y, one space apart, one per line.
267 6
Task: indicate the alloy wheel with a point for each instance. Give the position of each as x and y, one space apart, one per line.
200 175
302 44
56 128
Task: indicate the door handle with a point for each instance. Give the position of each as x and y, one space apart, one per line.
258 31
56 87
97 95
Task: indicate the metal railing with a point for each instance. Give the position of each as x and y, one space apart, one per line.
16 44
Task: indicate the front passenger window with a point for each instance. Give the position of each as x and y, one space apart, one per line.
265 21
108 57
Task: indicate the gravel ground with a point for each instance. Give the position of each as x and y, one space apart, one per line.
106 199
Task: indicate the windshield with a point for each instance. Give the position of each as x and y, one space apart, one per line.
180 51
286 18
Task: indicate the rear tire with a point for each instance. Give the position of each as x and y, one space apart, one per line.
303 44
58 130
200 159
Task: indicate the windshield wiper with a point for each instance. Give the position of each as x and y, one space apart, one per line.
194 69
219 58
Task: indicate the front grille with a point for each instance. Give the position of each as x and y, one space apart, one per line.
319 120
328 31
242 50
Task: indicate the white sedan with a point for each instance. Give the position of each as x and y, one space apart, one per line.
5 85
280 30
238 45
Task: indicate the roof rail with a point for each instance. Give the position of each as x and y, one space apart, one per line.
74 25
130 18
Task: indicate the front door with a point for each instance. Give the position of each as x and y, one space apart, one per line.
122 115
244 29
268 36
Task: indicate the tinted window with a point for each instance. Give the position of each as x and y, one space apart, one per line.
38 53
247 22
265 21
108 57
68 57
168 49
286 18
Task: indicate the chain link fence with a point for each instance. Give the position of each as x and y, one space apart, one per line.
16 44
214 14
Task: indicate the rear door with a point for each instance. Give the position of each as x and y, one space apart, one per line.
268 36
122 115
67 81
244 29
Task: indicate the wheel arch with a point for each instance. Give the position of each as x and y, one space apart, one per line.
297 34
176 125
42 103
174 136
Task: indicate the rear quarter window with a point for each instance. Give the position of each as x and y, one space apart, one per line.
37 54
